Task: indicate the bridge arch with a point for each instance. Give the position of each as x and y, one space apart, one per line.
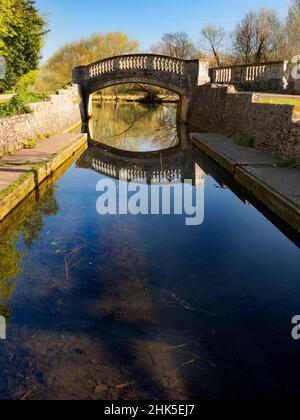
179 76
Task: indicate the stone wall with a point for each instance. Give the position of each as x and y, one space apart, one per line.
59 113
274 128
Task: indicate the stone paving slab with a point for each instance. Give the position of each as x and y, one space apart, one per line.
283 180
5 97
44 150
278 188
12 168
224 148
10 175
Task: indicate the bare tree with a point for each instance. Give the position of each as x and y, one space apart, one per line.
259 37
214 38
293 28
243 39
177 44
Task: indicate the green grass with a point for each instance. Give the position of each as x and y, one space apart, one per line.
280 101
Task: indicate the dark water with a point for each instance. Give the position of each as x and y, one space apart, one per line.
139 307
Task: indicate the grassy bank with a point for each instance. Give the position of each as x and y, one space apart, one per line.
280 101
19 104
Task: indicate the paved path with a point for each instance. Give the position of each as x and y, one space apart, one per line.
12 168
5 97
278 188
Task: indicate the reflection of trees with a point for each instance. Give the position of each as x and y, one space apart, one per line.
10 258
135 127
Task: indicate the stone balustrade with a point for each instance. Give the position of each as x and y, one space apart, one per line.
268 76
169 65
137 62
102 67
133 62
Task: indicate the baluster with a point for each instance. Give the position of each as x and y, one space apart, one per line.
175 67
247 74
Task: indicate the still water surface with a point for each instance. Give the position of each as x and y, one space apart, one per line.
135 127
138 307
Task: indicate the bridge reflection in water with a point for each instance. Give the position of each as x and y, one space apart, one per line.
165 167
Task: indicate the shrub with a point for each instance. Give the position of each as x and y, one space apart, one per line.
18 104
30 144
29 97
244 140
290 162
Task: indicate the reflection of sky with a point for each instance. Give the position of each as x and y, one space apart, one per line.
151 303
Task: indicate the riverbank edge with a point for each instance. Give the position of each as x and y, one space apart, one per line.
280 204
38 175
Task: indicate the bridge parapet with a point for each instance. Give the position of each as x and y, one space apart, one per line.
265 76
138 62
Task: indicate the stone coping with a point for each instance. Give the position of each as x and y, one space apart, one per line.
278 188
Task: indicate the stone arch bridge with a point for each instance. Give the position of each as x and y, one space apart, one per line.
179 76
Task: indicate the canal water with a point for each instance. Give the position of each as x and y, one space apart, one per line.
146 307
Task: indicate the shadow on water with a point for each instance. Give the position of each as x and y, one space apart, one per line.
142 307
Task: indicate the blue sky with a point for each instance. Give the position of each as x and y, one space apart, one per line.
144 20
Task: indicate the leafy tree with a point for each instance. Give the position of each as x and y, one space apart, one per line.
23 39
9 20
57 72
26 81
